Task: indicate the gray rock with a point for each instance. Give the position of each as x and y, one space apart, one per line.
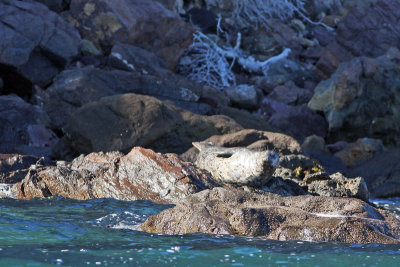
381 173
309 218
296 121
45 41
244 96
361 99
24 128
237 166
76 87
336 185
146 23
368 30
128 57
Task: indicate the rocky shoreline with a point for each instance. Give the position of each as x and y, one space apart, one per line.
98 99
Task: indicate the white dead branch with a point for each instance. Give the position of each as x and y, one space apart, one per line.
209 63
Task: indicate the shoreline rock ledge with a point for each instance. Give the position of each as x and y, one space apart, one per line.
308 218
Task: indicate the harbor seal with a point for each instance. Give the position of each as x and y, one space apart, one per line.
237 165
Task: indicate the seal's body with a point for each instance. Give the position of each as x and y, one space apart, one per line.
237 165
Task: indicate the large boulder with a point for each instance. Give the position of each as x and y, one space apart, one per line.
36 42
361 99
118 123
295 121
76 87
381 173
24 128
143 22
310 218
366 31
141 174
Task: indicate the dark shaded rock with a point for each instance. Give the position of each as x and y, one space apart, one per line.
141 174
361 99
296 121
381 173
313 143
363 148
56 5
365 31
36 42
142 22
202 18
123 121
290 94
287 70
76 87
329 162
128 57
23 128
245 118
310 218
14 167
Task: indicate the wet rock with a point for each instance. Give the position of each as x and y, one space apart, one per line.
141 174
363 148
381 173
35 41
14 167
76 87
361 99
120 122
142 22
310 218
236 166
365 31
23 128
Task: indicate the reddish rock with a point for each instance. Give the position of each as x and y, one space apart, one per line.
141 174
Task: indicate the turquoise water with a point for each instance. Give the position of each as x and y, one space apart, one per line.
59 231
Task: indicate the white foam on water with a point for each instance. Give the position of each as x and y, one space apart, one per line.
5 191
